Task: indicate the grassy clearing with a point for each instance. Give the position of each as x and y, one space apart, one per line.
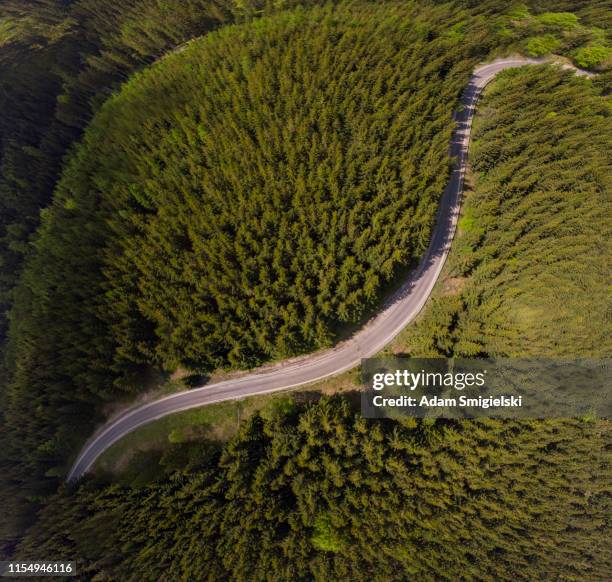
135 459
137 456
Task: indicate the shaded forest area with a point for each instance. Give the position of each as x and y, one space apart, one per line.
58 62
86 322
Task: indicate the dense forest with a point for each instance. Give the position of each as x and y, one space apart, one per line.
60 60
531 264
228 203
317 492
324 494
58 63
247 196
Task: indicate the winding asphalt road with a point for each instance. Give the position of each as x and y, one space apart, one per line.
394 316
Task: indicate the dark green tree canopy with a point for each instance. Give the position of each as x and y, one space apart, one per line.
322 494
262 184
257 190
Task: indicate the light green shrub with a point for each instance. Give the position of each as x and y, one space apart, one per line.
538 46
562 20
589 57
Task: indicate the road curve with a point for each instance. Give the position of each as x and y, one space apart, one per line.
396 314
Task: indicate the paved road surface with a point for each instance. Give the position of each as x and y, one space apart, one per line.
395 315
